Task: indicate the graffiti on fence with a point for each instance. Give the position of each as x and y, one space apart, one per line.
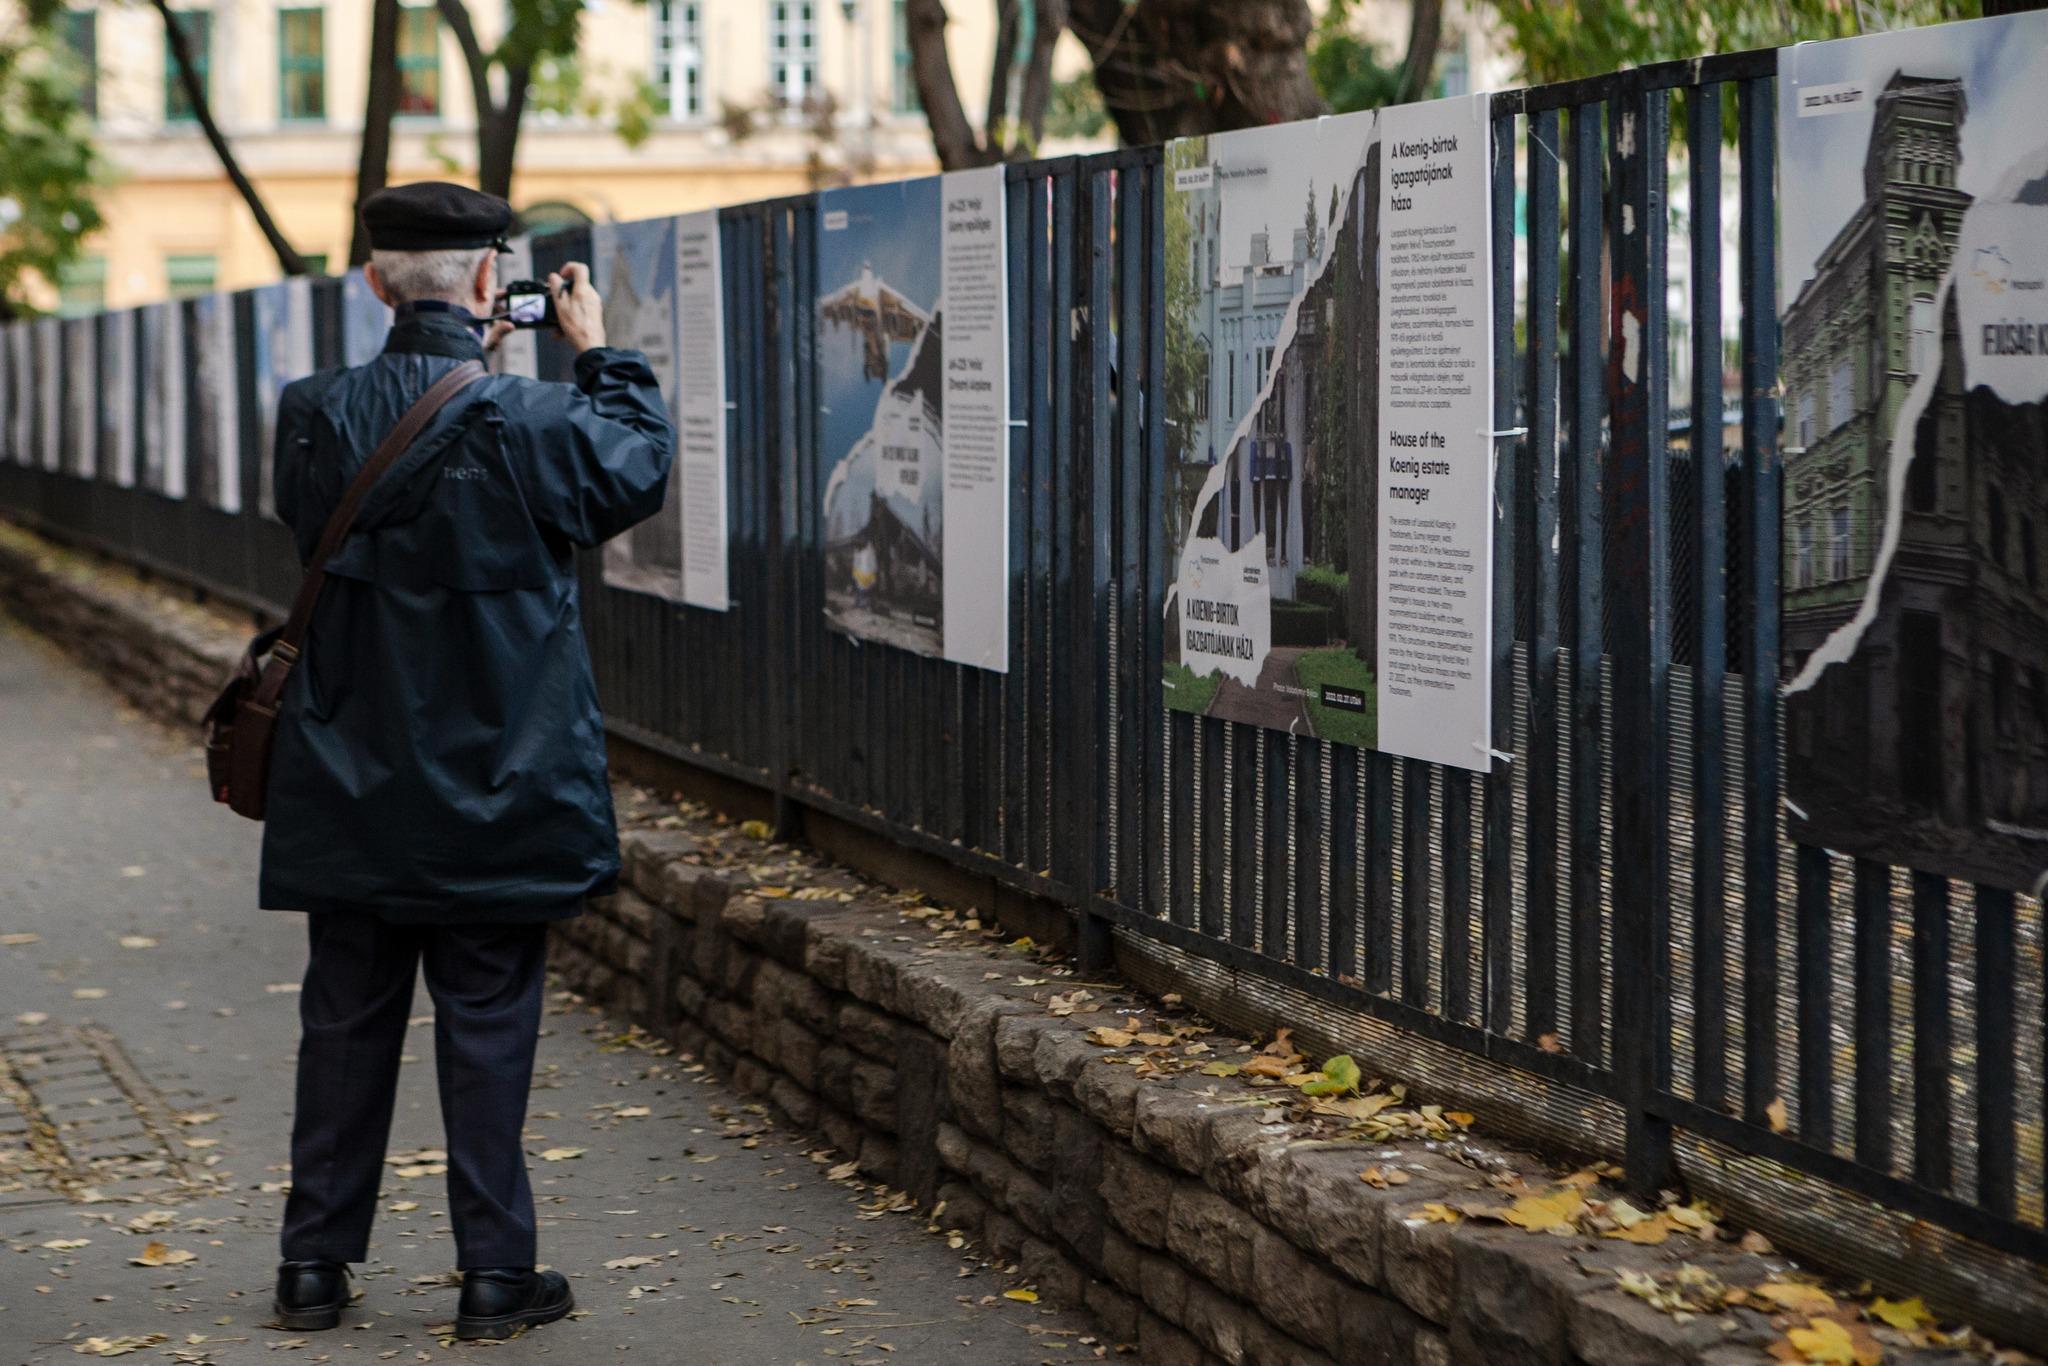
1914 293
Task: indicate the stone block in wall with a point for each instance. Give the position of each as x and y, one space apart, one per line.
628 910
1162 1283
784 930
797 1048
791 994
1218 1322
878 1157
1016 1041
865 1029
690 998
1373 1330
1028 1128
871 970
1110 1096
841 1130
937 995
1160 1343
743 918
1003 1236
1416 1267
920 1104
1078 1146
646 855
1212 1237
751 1076
1295 1292
874 1094
1117 1311
826 950
797 1104
835 1075
1059 1057
1316 1196
1138 1195
675 888
1171 1126
1055 1277
972 1082
1509 1302
959 1209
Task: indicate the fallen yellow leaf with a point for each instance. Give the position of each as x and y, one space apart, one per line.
1108 1036
1777 1115
1552 1213
1024 1296
157 1254
1436 1213
1647 1231
1905 1315
1796 1296
562 1154
1826 1342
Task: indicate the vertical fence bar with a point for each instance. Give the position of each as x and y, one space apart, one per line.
1996 976
1757 104
1378 930
1873 911
1541 557
1710 654
1582 541
1497 888
1813 995
1640 505
1415 871
1933 1049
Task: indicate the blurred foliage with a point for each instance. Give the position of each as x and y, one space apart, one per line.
49 168
1075 109
1345 68
1555 41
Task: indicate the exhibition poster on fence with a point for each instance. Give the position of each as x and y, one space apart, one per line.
914 414
1329 459
1913 288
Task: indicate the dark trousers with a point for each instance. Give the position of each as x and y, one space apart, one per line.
486 984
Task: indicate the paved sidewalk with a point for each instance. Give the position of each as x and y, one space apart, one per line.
150 1012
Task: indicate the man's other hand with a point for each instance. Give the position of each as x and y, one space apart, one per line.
579 313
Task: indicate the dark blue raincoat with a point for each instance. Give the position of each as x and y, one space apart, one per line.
440 755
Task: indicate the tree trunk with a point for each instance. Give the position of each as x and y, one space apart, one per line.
1037 93
952 135
288 259
497 122
373 163
1425 36
1174 68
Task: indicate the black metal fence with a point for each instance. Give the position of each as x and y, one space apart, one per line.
1609 929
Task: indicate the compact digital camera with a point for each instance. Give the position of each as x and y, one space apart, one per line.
527 304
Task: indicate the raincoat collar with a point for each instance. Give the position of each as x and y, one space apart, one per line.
434 333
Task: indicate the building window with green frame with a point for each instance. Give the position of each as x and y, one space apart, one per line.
82 286
679 56
190 274
904 99
81 36
302 65
197 26
419 61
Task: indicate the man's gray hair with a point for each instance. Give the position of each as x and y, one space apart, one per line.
409 276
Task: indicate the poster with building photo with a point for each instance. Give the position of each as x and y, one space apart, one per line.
283 351
365 320
81 393
633 266
8 452
214 447
914 423
117 398
49 412
21 364
1271 503
160 341
1435 436
519 352
1913 194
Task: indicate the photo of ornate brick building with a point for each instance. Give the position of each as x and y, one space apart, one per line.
1928 746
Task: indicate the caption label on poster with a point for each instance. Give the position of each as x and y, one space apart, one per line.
1435 410
700 409
976 452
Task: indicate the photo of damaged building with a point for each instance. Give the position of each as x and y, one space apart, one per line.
1928 746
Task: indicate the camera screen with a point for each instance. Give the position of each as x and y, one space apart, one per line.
527 308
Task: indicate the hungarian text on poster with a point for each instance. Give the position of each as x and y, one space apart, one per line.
701 410
977 419
1435 432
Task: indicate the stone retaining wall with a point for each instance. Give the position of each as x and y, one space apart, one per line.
1183 1209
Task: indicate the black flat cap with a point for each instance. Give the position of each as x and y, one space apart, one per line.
434 215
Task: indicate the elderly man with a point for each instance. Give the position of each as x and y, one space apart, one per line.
437 790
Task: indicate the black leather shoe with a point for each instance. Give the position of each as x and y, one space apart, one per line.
310 1294
499 1301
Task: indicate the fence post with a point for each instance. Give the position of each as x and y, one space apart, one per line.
1090 336
1640 584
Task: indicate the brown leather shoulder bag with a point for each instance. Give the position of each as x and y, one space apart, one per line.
242 722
